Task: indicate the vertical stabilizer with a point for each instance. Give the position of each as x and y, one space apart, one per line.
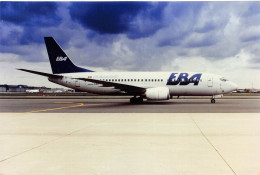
60 62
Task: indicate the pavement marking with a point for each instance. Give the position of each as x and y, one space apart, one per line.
64 107
52 140
212 145
38 146
51 109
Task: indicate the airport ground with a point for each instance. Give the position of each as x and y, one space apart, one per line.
105 104
110 136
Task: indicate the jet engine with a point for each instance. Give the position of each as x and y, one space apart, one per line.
158 93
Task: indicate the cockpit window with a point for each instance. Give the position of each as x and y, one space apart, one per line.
223 79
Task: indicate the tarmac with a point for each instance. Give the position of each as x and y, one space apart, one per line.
78 143
95 105
110 136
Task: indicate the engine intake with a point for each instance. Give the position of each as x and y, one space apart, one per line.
158 93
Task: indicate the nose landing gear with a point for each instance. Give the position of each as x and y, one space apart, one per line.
213 100
135 100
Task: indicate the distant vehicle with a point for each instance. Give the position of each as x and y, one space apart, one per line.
248 90
32 90
141 85
254 90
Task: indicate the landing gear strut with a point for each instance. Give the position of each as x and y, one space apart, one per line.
135 100
213 100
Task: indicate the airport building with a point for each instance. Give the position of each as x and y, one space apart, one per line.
30 89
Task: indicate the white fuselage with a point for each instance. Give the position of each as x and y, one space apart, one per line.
206 85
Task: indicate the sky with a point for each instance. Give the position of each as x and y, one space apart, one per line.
215 37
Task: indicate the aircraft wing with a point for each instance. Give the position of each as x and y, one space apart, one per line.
41 73
130 89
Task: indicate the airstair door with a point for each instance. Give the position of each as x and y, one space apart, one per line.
210 82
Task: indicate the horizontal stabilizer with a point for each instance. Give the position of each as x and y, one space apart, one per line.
41 73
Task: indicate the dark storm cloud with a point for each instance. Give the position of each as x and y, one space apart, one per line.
146 30
117 17
31 17
106 17
30 13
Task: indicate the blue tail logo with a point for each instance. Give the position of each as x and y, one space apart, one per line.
61 58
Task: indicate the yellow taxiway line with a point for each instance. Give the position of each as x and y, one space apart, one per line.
51 109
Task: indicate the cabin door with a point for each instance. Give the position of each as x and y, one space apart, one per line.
210 82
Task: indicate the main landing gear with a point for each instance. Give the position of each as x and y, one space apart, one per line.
213 100
135 100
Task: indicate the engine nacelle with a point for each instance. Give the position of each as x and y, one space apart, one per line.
158 93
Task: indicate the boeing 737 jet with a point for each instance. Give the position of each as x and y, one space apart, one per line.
140 85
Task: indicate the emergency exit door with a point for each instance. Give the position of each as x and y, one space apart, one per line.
77 83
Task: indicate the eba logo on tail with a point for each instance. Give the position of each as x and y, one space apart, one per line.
183 79
61 58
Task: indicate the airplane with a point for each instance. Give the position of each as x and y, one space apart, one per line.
32 90
141 85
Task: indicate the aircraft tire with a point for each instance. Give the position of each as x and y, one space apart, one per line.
133 100
140 100
213 100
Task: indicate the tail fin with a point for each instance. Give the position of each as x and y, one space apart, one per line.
60 62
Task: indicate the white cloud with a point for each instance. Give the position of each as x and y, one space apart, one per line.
217 38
